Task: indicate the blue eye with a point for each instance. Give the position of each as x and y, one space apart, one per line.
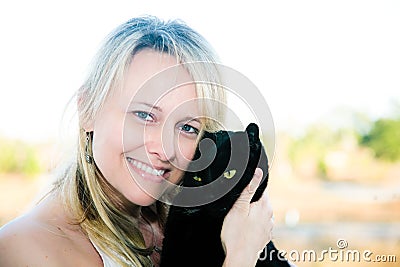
189 129
144 115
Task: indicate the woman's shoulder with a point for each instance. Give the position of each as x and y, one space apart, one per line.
37 239
24 242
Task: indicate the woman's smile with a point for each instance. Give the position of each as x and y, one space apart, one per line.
146 171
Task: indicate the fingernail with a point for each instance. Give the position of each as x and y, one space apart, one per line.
255 182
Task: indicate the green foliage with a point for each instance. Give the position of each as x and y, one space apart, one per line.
384 139
18 157
338 153
314 144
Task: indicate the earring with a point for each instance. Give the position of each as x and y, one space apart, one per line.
88 147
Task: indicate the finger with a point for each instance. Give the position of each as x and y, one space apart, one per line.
255 182
247 194
266 205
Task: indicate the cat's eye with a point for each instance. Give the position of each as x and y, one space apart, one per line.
229 174
197 178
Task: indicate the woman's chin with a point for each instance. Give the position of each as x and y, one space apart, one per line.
145 197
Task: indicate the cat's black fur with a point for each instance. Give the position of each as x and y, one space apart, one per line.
192 233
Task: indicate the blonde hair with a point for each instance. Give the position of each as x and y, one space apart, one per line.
94 203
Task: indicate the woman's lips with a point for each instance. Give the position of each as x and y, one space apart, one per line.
147 172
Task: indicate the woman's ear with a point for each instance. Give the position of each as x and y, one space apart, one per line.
86 126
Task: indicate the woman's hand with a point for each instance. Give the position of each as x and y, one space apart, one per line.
247 227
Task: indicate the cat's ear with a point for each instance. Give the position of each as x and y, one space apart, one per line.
252 132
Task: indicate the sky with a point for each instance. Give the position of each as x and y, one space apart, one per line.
310 59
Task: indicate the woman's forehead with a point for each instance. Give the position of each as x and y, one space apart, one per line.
152 68
152 76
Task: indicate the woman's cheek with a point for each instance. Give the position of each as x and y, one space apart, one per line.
187 149
133 133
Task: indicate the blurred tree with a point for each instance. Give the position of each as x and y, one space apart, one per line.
384 139
310 149
18 157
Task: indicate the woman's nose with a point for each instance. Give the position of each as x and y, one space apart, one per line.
160 141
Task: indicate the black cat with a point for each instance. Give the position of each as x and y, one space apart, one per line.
223 165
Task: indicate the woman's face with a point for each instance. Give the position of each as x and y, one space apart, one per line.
145 134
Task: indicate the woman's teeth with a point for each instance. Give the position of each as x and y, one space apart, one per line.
145 167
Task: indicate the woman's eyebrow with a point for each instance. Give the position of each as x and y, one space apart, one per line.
187 119
147 104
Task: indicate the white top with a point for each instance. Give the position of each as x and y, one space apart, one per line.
107 261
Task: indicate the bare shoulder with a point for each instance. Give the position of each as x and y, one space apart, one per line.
24 243
42 238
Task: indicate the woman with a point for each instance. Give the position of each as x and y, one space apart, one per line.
139 121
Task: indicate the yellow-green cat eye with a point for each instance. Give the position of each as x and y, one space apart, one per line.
197 178
229 174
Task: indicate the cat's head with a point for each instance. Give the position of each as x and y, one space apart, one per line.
224 164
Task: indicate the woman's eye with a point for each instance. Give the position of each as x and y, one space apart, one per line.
189 129
144 115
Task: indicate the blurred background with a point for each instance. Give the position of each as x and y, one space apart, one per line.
329 71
